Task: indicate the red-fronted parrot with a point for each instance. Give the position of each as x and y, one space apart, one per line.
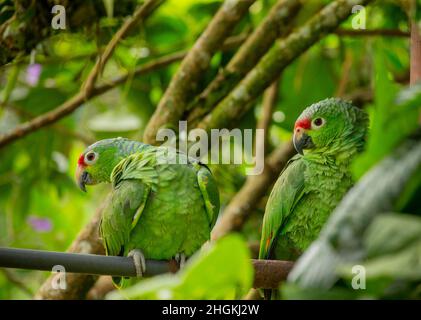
327 136
163 203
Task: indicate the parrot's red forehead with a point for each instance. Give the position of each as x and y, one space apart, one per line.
81 160
304 123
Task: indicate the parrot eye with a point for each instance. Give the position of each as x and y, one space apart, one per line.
318 122
91 157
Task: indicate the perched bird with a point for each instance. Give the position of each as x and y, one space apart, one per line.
327 136
163 203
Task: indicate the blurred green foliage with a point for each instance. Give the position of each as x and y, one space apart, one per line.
385 258
220 271
42 208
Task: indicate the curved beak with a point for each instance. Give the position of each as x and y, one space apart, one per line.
82 178
302 140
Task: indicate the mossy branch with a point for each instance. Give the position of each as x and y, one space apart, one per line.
276 24
238 102
184 84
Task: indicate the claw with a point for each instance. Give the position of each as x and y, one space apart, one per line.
139 262
181 260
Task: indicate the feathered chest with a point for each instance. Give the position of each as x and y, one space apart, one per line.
324 187
327 182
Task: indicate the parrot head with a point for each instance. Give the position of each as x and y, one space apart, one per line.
329 125
97 162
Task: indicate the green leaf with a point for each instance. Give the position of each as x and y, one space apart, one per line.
11 83
391 232
109 7
222 271
393 117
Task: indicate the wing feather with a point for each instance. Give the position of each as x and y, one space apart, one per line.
287 191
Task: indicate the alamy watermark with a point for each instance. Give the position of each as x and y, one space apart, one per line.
220 146
58 282
359 20
359 278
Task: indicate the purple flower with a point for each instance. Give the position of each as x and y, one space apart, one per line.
33 71
40 224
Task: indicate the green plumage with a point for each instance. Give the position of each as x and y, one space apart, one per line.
312 184
163 202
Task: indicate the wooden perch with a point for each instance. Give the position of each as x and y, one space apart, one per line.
268 273
78 285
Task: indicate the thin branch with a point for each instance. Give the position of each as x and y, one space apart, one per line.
415 74
87 139
270 98
88 89
346 69
103 286
21 33
238 102
12 278
276 24
79 99
140 14
151 66
43 120
77 284
360 96
255 187
371 33
268 273
184 83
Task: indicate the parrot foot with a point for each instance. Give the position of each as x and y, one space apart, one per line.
181 260
139 262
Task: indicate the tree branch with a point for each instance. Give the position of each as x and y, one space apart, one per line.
230 43
100 289
11 277
255 187
80 98
281 55
20 34
270 98
415 74
140 14
87 91
59 128
184 83
77 284
371 33
268 273
238 102
275 25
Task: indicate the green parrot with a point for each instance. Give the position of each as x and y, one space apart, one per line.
163 203
327 136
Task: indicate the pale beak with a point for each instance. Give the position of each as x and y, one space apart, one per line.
302 140
82 178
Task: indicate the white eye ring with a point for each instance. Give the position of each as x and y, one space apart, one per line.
91 157
318 123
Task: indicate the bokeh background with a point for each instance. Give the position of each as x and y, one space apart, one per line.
40 205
